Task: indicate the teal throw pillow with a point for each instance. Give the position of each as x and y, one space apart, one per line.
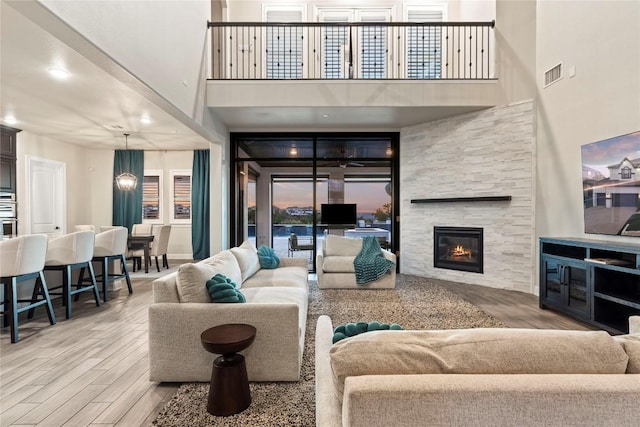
222 289
350 329
268 258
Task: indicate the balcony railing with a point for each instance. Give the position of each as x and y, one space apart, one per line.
383 50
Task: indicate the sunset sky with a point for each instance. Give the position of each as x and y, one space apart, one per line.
368 196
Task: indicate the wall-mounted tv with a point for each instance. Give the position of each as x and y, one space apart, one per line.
611 185
338 214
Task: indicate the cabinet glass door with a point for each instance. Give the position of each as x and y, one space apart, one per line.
576 281
552 289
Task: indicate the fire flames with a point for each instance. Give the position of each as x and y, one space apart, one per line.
460 251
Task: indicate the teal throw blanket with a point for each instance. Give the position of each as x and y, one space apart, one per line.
351 329
267 257
370 264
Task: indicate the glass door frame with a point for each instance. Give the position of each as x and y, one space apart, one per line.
236 230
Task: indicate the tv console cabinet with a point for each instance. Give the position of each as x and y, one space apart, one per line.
592 280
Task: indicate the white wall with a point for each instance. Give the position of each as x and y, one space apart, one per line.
601 40
162 43
77 161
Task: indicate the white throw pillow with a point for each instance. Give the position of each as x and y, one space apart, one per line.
226 263
344 246
191 282
247 256
631 345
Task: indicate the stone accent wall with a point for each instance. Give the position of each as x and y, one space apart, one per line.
487 153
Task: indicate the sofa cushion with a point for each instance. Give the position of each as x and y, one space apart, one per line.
225 263
247 256
631 346
293 277
191 282
338 264
338 245
476 351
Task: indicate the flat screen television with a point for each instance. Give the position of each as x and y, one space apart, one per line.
338 214
611 185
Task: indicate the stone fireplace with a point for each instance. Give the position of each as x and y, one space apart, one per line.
482 153
458 248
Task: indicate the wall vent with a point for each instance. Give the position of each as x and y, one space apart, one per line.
552 75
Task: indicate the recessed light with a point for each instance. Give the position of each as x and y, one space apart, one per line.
324 116
145 120
59 73
10 120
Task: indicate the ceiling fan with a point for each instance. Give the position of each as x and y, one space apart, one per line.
344 162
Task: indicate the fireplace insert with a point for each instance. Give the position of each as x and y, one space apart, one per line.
458 248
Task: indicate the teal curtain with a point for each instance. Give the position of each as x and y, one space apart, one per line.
127 205
200 209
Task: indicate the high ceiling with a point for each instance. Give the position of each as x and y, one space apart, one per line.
90 108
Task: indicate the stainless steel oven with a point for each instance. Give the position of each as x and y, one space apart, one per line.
9 214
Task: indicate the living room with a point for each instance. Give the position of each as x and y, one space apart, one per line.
525 143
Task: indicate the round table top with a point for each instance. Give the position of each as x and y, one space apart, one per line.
229 338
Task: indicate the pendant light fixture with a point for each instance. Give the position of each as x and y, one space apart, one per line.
126 181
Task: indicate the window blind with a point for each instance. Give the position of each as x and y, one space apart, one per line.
424 45
284 45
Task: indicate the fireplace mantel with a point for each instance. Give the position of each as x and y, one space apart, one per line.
464 199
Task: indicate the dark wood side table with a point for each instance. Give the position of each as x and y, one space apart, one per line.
229 390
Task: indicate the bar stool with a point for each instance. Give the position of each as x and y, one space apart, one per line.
67 253
23 258
110 245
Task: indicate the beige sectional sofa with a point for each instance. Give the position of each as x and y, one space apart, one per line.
276 305
334 265
492 377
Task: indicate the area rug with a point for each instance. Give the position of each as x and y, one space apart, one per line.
416 303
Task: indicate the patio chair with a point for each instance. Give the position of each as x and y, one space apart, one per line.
299 244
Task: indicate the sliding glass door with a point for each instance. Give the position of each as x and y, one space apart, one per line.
282 181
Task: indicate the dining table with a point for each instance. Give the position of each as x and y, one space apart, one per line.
141 241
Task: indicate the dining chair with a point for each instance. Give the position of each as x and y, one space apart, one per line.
110 245
138 230
84 227
21 259
158 246
67 253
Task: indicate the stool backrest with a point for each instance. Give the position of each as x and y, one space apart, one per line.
71 248
111 242
22 255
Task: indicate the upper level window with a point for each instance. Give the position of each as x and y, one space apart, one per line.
626 172
152 197
359 52
180 194
284 49
424 44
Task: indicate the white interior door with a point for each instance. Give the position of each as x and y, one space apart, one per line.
47 196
